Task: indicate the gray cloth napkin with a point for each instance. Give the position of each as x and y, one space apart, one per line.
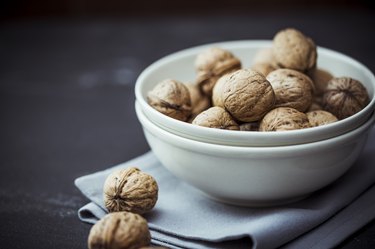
184 218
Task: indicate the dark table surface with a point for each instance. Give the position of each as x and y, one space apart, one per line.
67 103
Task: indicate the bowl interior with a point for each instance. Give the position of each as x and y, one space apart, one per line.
180 66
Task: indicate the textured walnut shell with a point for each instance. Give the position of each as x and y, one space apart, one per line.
120 230
344 97
213 63
199 101
217 92
284 119
264 56
216 117
320 78
293 50
171 98
247 95
292 89
320 117
263 68
130 190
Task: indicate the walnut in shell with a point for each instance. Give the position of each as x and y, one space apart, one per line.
213 63
130 190
171 98
344 97
292 89
263 68
217 92
199 101
119 230
264 56
216 117
284 119
247 95
320 78
294 50
320 117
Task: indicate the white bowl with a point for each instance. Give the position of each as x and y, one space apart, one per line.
255 176
180 66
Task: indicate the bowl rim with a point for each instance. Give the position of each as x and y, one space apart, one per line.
204 132
241 151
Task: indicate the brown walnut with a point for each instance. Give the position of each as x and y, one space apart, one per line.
320 117
199 101
284 119
294 50
217 92
120 230
171 98
320 78
213 63
263 68
247 95
344 97
292 89
216 117
130 190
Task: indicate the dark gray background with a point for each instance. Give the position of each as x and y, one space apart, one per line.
67 98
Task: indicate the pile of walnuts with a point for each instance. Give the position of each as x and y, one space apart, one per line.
283 90
128 193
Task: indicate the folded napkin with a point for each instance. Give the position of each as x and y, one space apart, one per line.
184 218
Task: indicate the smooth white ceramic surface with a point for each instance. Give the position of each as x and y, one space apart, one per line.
180 66
255 176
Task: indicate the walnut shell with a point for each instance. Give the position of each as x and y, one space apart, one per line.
171 98
344 97
130 190
216 117
320 117
217 92
264 56
294 50
199 101
284 119
292 89
320 78
120 230
247 95
263 68
213 63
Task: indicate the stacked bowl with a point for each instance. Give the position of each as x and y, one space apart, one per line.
253 168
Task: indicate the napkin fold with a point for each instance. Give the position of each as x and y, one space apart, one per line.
185 218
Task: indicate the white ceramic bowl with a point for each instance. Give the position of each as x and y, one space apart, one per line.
255 176
180 66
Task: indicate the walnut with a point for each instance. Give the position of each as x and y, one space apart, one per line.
199 101
247 95
211 64
252 126
320 117
320 78
344 97
294 50
217 92
264 56
283 119
171 98
292 89
216 117
120 230
263 68
130 190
